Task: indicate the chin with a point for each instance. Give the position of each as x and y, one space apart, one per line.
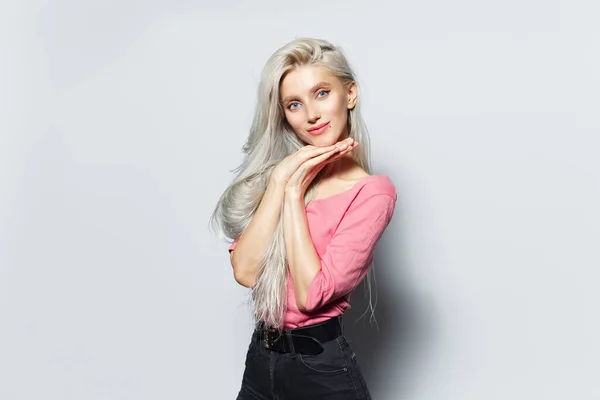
325 140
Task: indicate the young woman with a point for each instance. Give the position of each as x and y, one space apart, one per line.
305 215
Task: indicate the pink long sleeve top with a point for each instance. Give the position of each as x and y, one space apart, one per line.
344 229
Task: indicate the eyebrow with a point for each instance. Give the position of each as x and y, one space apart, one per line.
312 90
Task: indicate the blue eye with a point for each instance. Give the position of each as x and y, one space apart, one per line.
323 91
290 107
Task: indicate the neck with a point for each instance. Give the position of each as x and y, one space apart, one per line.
338 168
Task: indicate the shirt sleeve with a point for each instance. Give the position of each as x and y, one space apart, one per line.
349 255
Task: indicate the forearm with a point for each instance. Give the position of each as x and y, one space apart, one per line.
256 239
303 261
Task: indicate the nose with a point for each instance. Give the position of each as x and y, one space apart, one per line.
313 113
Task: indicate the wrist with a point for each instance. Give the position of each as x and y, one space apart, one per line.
293 194
276 186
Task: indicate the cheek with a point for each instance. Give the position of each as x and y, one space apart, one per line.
336 108
338 113
294 120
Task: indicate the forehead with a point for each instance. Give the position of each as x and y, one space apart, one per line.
301 79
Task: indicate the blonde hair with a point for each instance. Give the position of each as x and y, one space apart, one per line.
271 139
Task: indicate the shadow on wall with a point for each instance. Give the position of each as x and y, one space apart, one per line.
391 349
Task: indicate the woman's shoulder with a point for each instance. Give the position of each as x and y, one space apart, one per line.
374 185
373 202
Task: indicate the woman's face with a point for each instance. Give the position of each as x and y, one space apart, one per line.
316 104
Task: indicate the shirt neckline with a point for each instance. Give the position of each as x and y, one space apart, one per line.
352 188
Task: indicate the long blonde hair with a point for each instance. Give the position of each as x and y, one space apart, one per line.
271 139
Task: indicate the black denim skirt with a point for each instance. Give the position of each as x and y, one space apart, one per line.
333 374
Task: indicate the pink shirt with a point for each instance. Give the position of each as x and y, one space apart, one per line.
344 229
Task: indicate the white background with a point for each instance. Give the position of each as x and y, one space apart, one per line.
120 123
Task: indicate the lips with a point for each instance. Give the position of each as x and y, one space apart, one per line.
317 130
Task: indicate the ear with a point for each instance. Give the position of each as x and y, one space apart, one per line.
352 94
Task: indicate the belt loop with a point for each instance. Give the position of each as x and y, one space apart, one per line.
288 335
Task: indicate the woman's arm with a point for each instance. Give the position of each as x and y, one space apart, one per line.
303 261
251 246
319 280
253 243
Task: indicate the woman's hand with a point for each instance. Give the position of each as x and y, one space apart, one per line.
304 174
286 168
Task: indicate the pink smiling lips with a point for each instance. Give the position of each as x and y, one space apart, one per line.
317 130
